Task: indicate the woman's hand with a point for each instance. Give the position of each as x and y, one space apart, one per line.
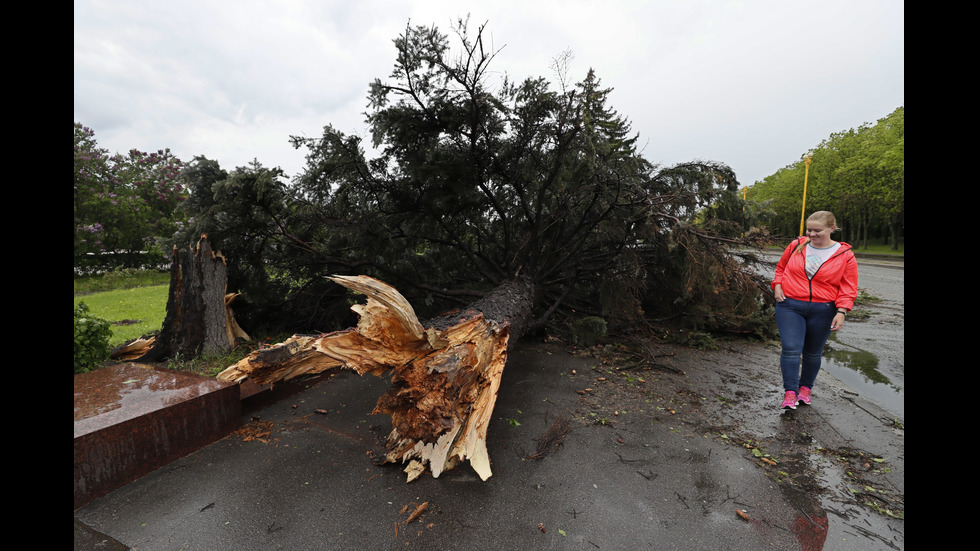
778 292
838 321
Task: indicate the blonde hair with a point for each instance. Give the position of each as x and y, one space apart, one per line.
825 217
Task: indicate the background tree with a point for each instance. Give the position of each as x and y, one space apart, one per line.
859 174
123 204
243 213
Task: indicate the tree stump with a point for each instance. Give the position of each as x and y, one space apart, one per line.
199 318
445 376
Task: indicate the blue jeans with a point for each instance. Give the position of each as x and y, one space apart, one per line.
804 328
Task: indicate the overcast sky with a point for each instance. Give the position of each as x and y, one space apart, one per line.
752 83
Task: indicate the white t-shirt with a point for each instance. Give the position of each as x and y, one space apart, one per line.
816 257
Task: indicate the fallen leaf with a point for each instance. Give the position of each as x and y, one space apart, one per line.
742 514
541 527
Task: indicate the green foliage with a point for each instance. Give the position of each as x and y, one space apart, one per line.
91 339
246 214
123 204
702 292
858 174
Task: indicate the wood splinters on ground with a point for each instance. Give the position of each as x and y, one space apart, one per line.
742 514
417 512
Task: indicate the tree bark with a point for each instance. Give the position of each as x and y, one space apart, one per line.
199 319
446 373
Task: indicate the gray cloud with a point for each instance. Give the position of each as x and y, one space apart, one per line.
753 84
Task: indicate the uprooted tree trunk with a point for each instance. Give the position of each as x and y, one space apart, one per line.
199 318
446 373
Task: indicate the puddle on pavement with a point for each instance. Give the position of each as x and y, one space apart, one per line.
859 369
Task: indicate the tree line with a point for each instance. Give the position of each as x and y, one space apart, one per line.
858 174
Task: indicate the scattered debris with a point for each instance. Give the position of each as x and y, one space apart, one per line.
552 438
416 513
255 430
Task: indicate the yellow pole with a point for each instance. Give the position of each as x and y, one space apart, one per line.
744 189
806 176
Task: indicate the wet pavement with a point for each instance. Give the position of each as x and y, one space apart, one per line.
689 454
131 420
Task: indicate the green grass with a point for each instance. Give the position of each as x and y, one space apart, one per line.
120 279
135 302
870 249
881 249
133 312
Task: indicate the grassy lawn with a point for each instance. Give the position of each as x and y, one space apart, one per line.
133 312
881 249
120 279
135 303
870 249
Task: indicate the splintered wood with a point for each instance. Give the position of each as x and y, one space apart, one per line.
444 381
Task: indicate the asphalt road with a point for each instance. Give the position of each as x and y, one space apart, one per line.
869 354
693 455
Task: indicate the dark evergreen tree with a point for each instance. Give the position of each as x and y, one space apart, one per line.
471 182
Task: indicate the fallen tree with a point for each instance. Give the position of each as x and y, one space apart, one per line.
510 193
446 373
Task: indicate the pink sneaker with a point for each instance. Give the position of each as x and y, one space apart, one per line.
789 400
804 395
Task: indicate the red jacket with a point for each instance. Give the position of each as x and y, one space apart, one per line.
835 281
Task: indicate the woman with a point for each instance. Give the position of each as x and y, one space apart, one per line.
815 287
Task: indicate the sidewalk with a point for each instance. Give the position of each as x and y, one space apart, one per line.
667 462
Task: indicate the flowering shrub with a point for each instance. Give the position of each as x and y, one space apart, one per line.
123 203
